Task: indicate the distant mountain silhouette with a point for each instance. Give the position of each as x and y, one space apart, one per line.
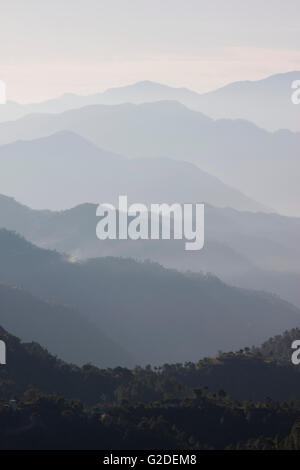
266 102
262 165
73 232
284 283
156 314
62 170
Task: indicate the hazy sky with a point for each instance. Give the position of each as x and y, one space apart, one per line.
84 46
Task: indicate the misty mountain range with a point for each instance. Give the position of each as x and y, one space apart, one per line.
262 165
267 102
155 314
254 250
30 363
76 152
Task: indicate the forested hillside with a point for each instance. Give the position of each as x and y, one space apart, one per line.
169 407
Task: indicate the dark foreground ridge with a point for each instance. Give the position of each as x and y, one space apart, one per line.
49 404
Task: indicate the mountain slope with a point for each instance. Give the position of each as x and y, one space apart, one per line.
61 329
157 314
253 250
73 232
266 102
133 409
244 375
62 170
30 365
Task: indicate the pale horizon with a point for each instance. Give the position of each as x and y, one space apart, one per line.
84 90
85 47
